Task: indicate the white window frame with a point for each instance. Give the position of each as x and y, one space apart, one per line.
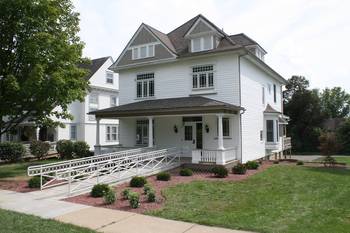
71 131
109 78
201 47
207 74
145 86
228 119
93 106
110 133
263 95
136 51
111 101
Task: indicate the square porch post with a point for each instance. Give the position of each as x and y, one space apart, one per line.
150 131
98 145
220 155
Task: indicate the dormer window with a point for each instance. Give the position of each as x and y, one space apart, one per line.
202 43
143 51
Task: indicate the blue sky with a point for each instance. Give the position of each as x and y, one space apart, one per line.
302 37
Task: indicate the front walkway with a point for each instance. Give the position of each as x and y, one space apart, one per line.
100 219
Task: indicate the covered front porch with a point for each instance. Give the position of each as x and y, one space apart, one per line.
204 130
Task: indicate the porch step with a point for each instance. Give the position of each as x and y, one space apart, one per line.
206 167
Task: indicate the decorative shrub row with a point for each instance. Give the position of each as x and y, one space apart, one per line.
99 190
164 176
252 165
186 172
69 149
220 171
239 169
300 163
34 182
39 149
138 181
11 151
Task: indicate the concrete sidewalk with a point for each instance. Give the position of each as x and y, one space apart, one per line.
99 219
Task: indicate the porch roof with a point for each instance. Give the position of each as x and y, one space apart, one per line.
170 106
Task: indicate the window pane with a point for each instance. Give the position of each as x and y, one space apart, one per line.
73 132
263 95
93 99
151 50
274 93
114 130
211 79
194 81
151 87
269 130
145 89
202 80
277 133
226 127
188 133
135 53
207 43
143 52
196 43
139 89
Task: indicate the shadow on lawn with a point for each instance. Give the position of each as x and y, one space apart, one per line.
332 170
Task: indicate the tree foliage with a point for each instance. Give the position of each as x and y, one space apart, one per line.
295 84
40 50
335 102
343 135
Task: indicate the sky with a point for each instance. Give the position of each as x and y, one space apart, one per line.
302 37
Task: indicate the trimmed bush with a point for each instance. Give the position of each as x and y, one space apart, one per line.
11 151
252 165
65 148
300 163
147 188
109 197
134 200
81 149
138 181
164 176
186 172
34 182
151 196
220 171
239 169
99 190
276 162
39 149
126 193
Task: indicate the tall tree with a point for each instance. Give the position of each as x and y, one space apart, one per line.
335 103
40 50
295 84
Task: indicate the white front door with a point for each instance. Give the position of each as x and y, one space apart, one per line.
190 136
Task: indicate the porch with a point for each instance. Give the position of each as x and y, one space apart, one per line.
206 131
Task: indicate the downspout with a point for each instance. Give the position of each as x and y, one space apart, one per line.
240 103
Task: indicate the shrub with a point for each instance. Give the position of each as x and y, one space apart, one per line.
329 161
81 149
252 165
147 188
138 181
151 196
300 163
220 171
186 172
134 200
239 169
11 151
39 149
276 162
34 182
126 193
65 148
109 197
164 176
99 190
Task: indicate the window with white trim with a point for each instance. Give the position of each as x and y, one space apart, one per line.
73 132
113 101
112 133
109 78
263 95
145 85
270 131
225 127
202 43
143 51
203 77
93 105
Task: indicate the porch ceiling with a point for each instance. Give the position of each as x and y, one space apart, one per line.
170 106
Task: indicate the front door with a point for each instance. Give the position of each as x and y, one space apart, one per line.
193 135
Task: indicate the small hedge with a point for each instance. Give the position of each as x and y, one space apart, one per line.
99 190
11 151
34 182
151 196
276 162
220 171
138 181
239 169
109 197
164 176
65 148
329 161
147 188
39 149
134 200
300 163
81 149
186 172
126 193
252 165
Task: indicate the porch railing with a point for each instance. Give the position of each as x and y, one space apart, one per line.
214 156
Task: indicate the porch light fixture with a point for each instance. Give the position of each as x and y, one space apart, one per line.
175 129
207 128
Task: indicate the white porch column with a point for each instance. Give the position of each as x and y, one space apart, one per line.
150 131
37 133
220 133
98 145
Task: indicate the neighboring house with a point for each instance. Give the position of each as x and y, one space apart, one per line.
103 93
201 90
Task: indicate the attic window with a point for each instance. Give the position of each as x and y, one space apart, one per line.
202 43
143 51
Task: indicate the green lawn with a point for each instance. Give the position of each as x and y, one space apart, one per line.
281 199
20 169
13 222
340 159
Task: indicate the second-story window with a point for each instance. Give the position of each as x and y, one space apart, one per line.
274 93
113 101
93 105
145 85
203 77
109 78
263 95
143 51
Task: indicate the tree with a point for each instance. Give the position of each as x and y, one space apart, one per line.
335 103
295 84
343 135
40 50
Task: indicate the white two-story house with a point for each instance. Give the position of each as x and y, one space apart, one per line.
103 93
196 88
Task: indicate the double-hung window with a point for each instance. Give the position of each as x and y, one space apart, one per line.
203 77
93 105
274 93
73 132
109 78
143 51
111 133
113 101
263 95
225 127
269 131
145 85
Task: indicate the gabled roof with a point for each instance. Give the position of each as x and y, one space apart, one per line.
243 40
182 105
93 66
270 109
162 37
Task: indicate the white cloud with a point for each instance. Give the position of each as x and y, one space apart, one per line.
302 37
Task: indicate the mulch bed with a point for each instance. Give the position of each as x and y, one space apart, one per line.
158 186
20 186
